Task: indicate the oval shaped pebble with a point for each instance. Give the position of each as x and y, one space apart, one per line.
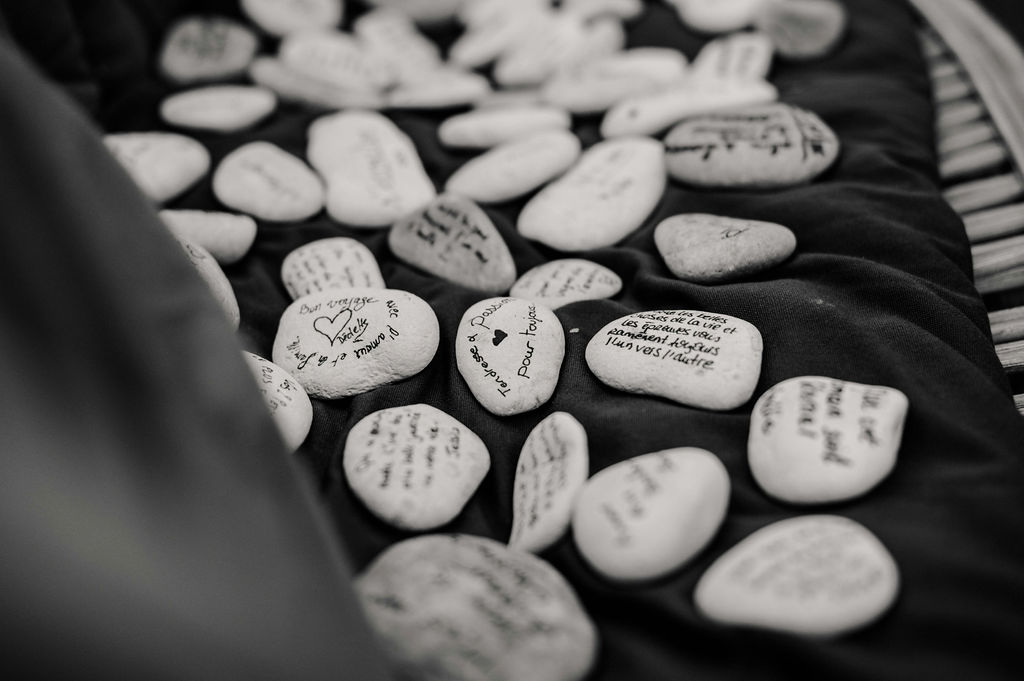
646 516
700 359
335 57
487 38
281 17
737 56
554 41
485 128
345 342
267 182
560 282
802 29
819 440
452 238
553 465
717 16
210 272
228 237
426 12
162 164
470 609
771 145
605 196
285 398
817 575
336 262
218 108
592 9
204 48
373 172
391 37
516 168
711 248
439 89
414 467
509 352
293 86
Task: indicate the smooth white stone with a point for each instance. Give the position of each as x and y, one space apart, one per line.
717 16
737 56
335 262
817 575
646 516
162 164
392 38
560 282
424 12
214 276
374 174
414 467
218 108
293 86
345 342
594 86
228 237
488 38
803 29
287 401
335 57
513 98
712 248
473 13
553 465
768 145
468 608
268 183
819 440
608 193
700 359
509 352
439 89
204 48
485 128
452 238
517 167
593 9
281 17
650 114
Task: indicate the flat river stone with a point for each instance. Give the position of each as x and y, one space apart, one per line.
285 398
717 16
218 108
509 351
737 56
210 272
608 193
712 248
466 608
700 359
802 29
489 127
439 88
553 465
645 517
819 440
560 282
770 145
335 57
516 168
815 575
335 262
294 86
415 466
162 164
391 37
228 237
454 239
345 342
267 182
281 17
204 48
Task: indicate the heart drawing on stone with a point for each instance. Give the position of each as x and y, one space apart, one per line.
332 327
499 336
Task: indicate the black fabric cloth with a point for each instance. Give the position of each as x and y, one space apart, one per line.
879 291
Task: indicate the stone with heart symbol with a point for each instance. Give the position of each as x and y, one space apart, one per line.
553 465
336 58
415 466
646 516
469 608
228 237
608 193
345 342
265 181
815 575
281 17
287 400
292 86
162 164
701 359
218 108
768 145
711 248
373 172
454 239
489 127
717 16
737 56
439 88
210 272
204 48
802 29
335 262
516 168
509 351
816 440
560 282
